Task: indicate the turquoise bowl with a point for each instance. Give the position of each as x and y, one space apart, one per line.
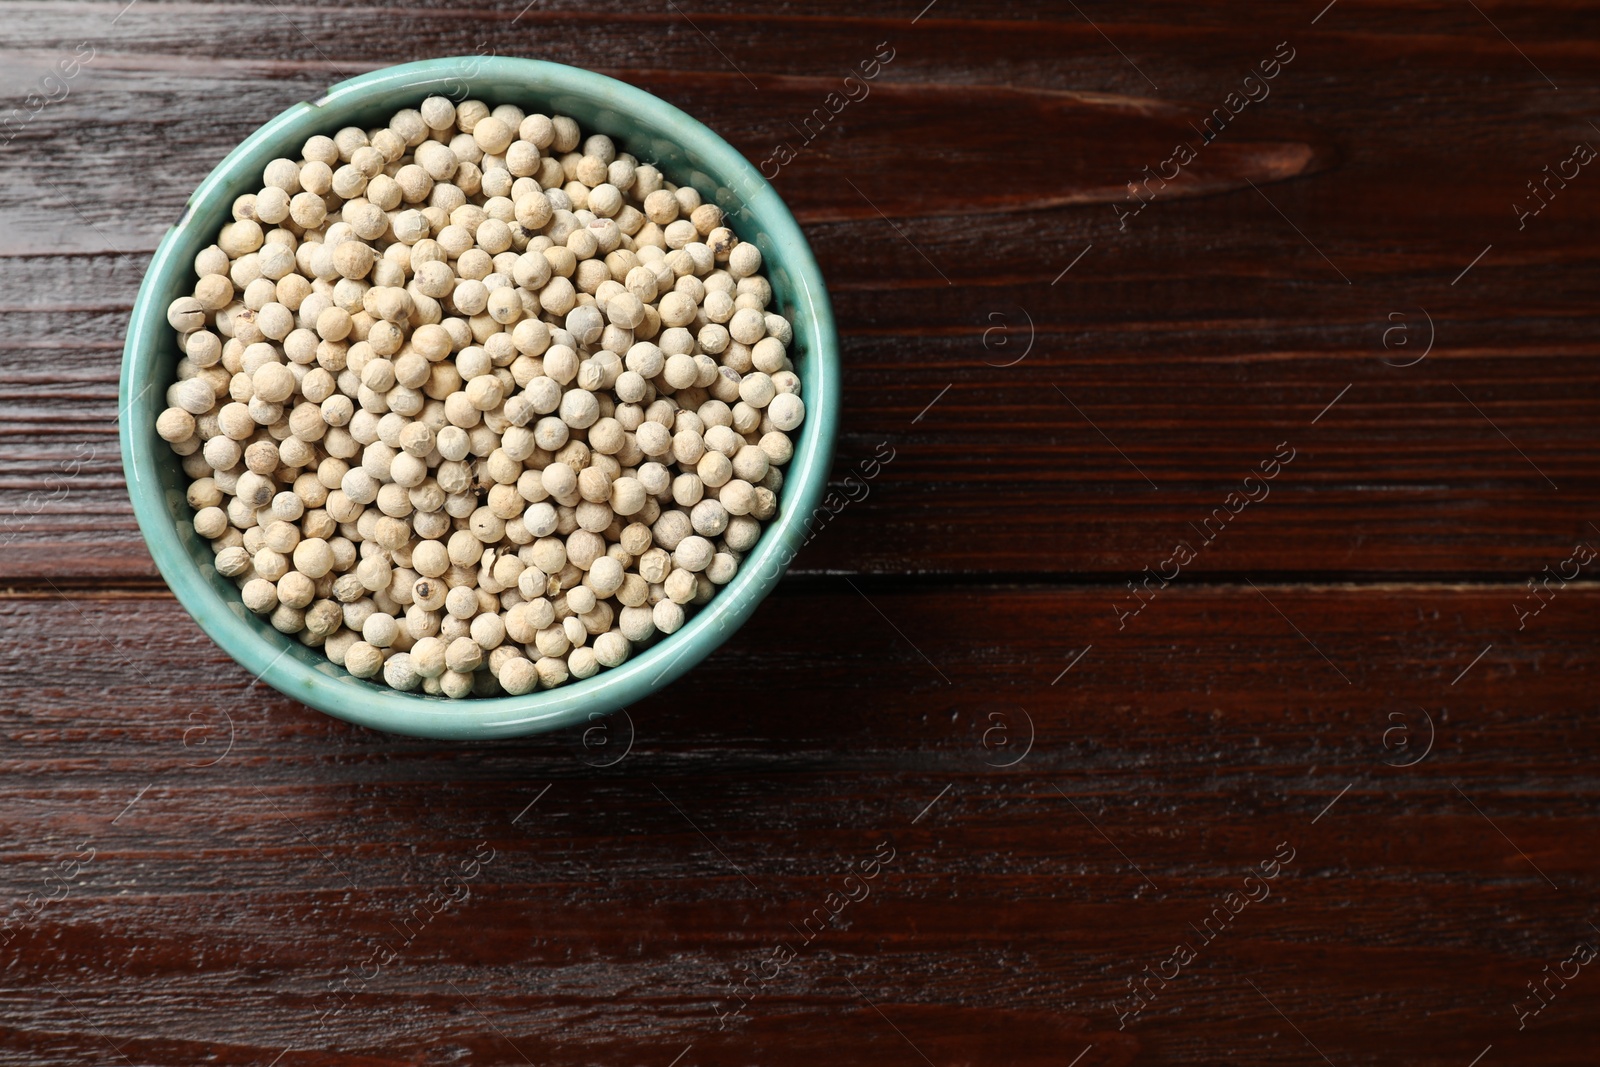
653 131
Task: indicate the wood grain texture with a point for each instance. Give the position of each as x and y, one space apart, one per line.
1164 767
1215 324
1073 771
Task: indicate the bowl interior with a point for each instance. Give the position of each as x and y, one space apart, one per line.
653 131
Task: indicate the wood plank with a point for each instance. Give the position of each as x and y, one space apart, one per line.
1166 764
1475 462
1190 342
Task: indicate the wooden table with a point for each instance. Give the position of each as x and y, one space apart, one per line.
1317 787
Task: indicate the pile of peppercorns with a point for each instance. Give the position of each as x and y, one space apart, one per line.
477 405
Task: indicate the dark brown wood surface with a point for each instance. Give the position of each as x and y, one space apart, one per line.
1070 780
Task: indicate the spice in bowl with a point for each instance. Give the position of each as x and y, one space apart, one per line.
476 404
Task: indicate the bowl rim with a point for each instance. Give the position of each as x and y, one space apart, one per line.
263 651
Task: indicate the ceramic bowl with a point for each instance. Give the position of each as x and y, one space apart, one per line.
653 131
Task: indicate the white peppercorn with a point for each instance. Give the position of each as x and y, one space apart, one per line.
787 411
519 676
530 397
380 629
668 616
363 660
398 672
260 595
